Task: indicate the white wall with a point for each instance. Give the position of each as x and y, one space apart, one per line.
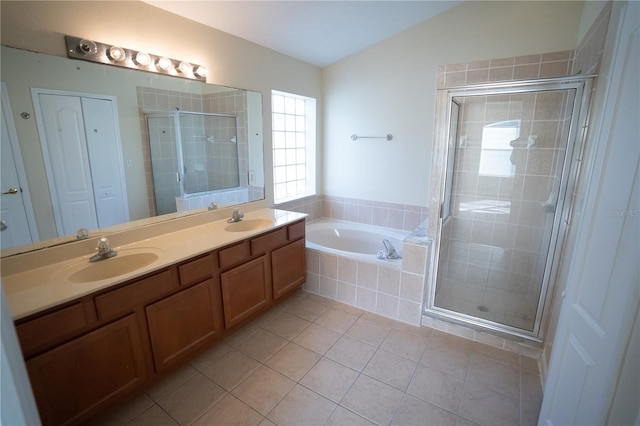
391 88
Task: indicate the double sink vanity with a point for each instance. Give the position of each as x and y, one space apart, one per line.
93 333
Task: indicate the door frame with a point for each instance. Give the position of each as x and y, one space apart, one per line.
19 164
582 85
35 92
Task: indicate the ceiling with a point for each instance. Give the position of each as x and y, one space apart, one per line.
317 32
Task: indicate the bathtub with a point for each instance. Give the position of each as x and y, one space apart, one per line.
354 240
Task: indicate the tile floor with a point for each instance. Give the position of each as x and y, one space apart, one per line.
313 361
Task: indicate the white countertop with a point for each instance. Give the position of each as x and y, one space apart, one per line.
33 288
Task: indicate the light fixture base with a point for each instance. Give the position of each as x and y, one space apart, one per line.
94 51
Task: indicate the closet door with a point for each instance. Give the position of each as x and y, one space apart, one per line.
105 160
67 162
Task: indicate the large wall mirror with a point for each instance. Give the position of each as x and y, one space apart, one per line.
181 144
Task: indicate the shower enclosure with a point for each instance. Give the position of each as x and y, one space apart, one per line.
191 153
509 153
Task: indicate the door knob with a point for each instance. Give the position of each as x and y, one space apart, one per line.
11 191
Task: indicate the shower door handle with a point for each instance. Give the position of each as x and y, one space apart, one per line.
178 177
550 203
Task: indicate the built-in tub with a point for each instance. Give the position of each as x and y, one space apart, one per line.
354 240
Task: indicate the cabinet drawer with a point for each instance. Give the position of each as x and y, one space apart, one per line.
43 332
296 230
125 299
234 254
197 270
266 242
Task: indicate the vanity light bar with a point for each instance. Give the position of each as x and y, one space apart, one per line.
94 51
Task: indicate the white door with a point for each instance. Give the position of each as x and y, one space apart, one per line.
105 161
81 146
71 188
15 207
602 294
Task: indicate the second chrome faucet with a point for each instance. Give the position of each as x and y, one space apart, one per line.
104 251
236 216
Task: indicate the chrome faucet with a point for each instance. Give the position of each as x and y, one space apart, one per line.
391 252
236 216
104 251
82 234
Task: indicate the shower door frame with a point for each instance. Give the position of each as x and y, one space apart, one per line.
570 170
175 116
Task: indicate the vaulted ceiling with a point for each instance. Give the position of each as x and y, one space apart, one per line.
317 32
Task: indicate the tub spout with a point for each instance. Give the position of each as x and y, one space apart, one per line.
391 252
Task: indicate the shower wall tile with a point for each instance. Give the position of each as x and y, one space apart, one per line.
554 64
501 73
589 51
526 72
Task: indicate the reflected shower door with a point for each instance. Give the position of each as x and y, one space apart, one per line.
164 162
509 151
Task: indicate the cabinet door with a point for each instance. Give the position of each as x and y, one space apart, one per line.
74 380
288 268
245 290
183 323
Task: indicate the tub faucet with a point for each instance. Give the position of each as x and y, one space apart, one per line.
391 251
236 216
104 251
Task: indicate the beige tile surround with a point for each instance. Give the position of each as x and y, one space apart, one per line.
311 360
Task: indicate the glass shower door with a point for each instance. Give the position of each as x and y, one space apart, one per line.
497 240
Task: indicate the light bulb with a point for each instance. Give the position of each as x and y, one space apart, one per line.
163 64
87 47
185 68
200 71
117 54
143 59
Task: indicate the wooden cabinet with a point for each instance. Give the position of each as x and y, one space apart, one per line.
245 291
72 380
183 323
94 351
288 268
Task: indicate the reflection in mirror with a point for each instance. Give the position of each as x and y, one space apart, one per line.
209 150
193 154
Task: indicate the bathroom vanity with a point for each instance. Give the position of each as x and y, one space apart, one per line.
87 352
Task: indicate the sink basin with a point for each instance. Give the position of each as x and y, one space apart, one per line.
125 262
249 225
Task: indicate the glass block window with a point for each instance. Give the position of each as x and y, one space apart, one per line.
294 146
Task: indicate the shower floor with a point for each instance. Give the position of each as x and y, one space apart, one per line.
486 282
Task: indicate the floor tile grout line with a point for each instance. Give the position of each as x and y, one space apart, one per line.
424 339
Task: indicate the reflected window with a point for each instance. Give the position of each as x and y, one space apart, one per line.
294 146
495 155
